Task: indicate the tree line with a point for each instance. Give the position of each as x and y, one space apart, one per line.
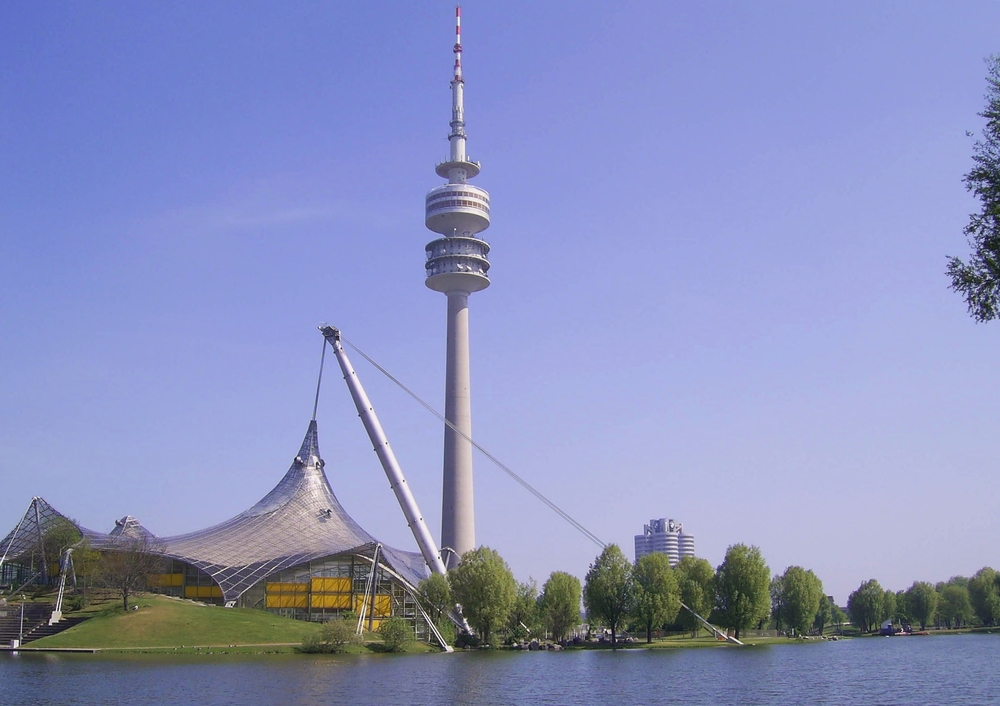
955 603
651 595
498 606
617 594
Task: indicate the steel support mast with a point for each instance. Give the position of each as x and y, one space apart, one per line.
385 455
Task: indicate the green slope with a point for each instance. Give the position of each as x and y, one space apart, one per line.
166 622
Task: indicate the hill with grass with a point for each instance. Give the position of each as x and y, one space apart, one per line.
163 622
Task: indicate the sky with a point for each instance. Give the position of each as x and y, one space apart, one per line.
718 236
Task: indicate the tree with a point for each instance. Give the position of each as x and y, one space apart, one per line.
608 591
396 633
696 582
801 592
560 604
435 595
334 637
979 280
984 592
921 602
900 614
865 605
523 619
837 617
776 590
58 537
127 562
657 598
485 587
889 609
86 568
742 583
823 614
954 606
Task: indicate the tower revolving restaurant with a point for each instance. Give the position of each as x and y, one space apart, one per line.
296 553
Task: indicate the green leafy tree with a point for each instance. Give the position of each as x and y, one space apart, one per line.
524 618
742 588
87 567
954 606
979 281
921 602
560 604
958 581
334 637
396 634
900 614
984 592
485 587
696 582
837 617
888 606
435 596
823 614
657 597
865 605
609 590
60 536
801 592
776 594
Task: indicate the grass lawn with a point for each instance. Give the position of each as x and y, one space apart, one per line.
166 622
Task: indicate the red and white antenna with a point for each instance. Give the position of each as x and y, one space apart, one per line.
458 43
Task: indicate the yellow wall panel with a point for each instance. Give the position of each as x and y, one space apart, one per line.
159 580
286 587
331 600
340 584
287 600
358 602
383 606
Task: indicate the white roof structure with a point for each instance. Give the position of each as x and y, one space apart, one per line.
300 520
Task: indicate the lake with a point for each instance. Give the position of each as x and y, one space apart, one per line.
953 669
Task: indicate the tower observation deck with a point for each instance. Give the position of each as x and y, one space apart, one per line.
457 265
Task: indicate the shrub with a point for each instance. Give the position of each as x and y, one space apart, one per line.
336 636
395 633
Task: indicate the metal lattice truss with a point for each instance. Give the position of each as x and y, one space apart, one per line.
300 520
29 534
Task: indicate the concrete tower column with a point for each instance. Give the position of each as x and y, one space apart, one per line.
458 524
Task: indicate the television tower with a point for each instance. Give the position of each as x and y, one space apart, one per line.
457 265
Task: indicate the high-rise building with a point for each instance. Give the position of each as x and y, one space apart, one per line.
457 266
664 536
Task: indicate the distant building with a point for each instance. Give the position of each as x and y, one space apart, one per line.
664 536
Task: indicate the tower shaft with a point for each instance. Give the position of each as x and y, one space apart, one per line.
458 526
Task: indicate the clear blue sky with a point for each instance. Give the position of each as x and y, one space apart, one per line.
719 236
